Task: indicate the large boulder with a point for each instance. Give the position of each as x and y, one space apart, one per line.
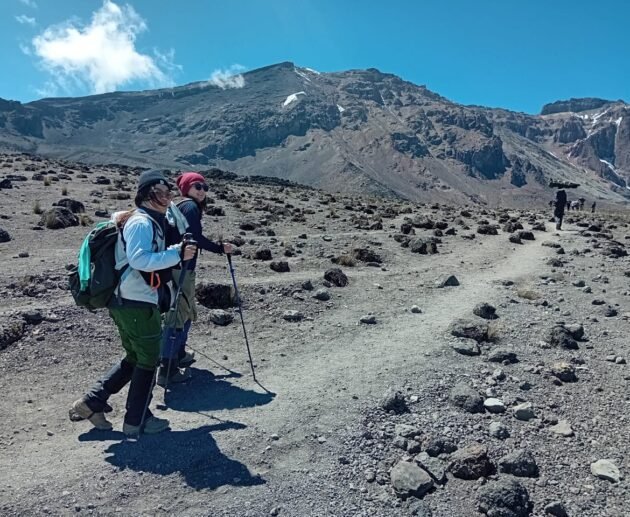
58 218
76 207
215 296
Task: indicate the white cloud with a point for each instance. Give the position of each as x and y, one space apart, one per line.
101 55
23 19
29 3
231 77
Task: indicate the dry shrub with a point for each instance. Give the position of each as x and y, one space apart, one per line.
528 293
37 209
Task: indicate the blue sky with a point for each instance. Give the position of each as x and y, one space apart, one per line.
517 55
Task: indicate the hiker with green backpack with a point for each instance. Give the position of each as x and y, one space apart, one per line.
142 291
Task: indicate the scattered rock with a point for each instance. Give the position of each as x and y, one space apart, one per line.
485 311
499 430
606 469
221 317
423 246
321 295
471 462
368 319
524 411
519 463
447 281
562 428
280 266
337 277
494 405
433 466
467 398
10 332
393 400
557 509
504 498
466 347
469 329
4 236
408 479
502 355
415 309
292 315
262 254
564 371
561 337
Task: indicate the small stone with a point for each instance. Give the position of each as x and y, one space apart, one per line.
485 311
447 281
467 398
406 430
466 347
524 411
337 277
499 430
564 371
562 428
519 463
606 469
469 329
620 360
494 405
368 319
557 509
280 266
321 295
471 462
393 400
504 498
502 355
221 317
434 467
415 309
292 315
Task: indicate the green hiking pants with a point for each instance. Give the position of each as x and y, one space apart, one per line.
140 330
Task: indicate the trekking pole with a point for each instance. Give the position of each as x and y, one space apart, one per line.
240 311
187 240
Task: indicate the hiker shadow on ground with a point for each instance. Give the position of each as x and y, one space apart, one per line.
206 392
194 454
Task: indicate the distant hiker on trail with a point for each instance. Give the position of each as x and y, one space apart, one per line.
593 207
193 188
568 205
561 202
146 263
582 201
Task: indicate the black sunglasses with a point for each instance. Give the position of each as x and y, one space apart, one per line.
201 186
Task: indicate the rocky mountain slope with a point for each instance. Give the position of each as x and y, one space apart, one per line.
358 131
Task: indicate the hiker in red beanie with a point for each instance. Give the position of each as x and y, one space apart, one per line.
193 188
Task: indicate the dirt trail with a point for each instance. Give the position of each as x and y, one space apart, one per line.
321 374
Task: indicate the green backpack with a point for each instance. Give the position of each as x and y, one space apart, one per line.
95 278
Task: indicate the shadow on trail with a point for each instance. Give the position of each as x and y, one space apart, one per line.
194 454
206 392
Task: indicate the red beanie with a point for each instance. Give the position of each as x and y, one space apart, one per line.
185 181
